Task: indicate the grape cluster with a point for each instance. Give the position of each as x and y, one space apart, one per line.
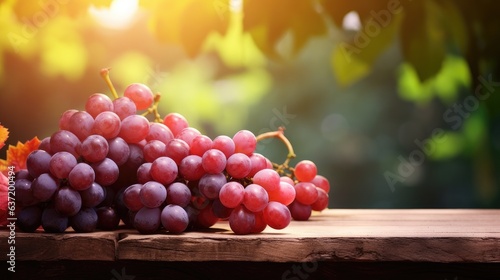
108 164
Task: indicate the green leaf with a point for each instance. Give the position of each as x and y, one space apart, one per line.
269 21
354 58
448 145
424 37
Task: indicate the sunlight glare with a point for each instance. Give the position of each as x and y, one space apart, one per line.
119 15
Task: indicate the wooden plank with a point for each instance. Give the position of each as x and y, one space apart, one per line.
40 246
373 235
336 235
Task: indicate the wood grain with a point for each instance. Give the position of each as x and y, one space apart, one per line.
40 246
345 235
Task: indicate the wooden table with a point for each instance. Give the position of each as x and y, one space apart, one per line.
334 244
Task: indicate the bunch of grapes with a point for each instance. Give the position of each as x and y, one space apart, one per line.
108 164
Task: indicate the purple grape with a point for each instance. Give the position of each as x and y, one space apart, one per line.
299 211
92 196
119 150
67 201
81 124
153 150
64 141
135 159
84 221
177 149
45 145
61 164
106 172
164 170
178 194
147 220
24 174
107 218
38 162
220 210
143 173
44 187
242 220
94 148
81 177
159 131
24 194
210 185
174 218
153 194
132 198
29 218
191 168
53 221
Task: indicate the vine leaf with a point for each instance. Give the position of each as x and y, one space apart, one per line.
17 155
4 134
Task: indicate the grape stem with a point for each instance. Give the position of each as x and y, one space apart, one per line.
154 109
280 168
105 76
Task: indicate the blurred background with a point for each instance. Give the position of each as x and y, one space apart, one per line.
395 101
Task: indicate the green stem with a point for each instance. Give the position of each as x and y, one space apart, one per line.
280 135
105 76
154 109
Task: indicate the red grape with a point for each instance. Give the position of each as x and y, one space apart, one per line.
213 161
124 107
268 179
200 145
134 128
321 182
191 168
224 144
242 220
98 103
305 170
245 142
232 194
107 124
306 193
238 165
256 198
277 215
140 94
164 170
175 122
94 148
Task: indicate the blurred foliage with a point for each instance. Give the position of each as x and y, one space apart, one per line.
356 83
